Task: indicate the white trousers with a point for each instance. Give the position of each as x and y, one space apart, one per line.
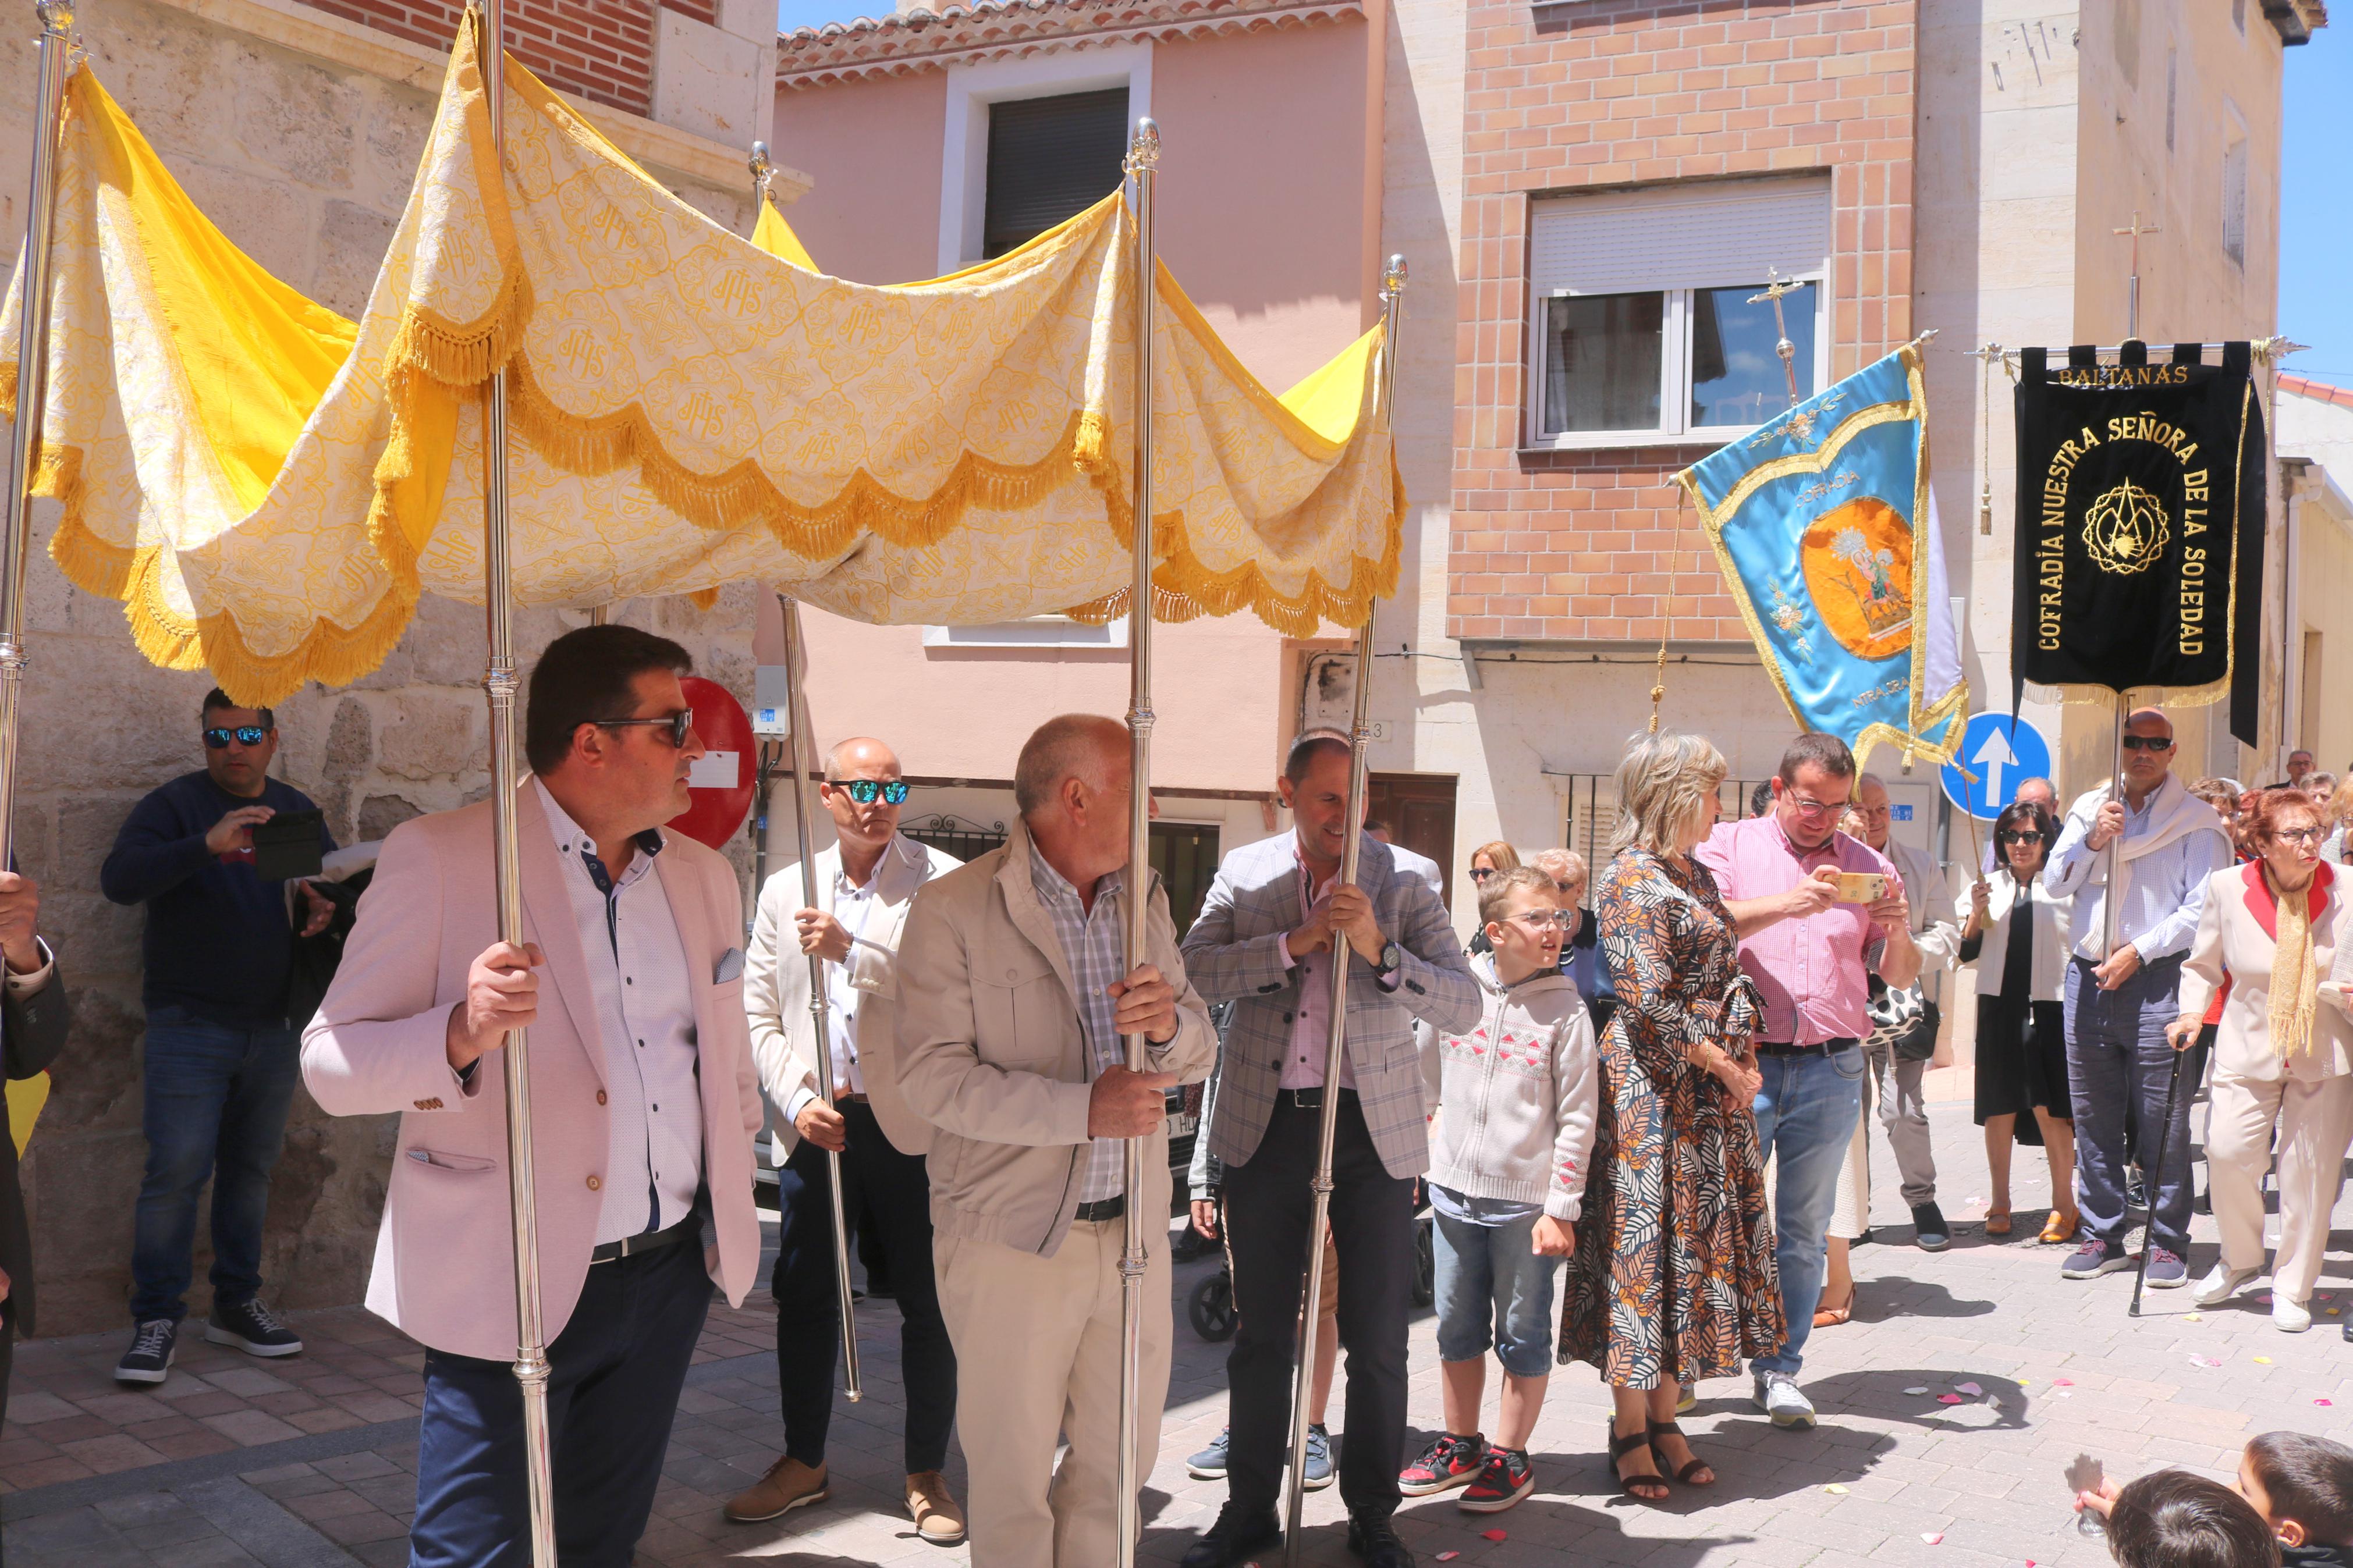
1037 1348
2314 1121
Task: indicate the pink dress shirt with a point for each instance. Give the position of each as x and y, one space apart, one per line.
1311 1030
1812 973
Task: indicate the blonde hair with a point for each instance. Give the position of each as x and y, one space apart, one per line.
1662 780
2340 805
1504 857
1495 893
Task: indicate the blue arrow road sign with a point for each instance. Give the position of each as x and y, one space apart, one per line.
2001 752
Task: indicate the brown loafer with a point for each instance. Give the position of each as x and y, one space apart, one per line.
788 1485
933 1509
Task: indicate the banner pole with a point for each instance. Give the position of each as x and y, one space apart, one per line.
1143 166
32 393
804 760
498 685
1302 1372
2115 844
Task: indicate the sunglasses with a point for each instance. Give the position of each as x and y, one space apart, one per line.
2028 836
1480 873
2148 742
864 791
680 725
244 735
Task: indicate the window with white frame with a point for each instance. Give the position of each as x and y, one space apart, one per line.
1647 323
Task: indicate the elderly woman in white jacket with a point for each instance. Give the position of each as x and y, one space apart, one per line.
2283 1055
2015 929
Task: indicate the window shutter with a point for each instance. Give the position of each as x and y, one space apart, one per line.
1706 236
1049 159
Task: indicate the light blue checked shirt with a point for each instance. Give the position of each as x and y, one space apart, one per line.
2164 892
1095 945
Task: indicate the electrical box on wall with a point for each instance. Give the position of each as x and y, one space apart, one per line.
772 712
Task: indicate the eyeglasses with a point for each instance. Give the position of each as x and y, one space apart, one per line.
2026 835
244 735
2297 835
864 791
1815 808
680 725
1543 918
2148 742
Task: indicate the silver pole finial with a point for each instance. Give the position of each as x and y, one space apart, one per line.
1143 149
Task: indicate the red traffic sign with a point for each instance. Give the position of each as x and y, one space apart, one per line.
720 783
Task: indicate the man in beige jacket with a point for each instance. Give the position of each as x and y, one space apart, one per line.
1011 1003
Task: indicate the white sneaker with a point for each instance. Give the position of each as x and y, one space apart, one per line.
2222 1284
1778 1396
2290 1317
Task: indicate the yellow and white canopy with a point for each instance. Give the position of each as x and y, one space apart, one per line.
269 487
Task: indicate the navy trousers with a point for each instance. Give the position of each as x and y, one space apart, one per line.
617 1369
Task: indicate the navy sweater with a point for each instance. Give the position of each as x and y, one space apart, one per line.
218 940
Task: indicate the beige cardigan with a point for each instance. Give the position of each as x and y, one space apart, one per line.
2236 936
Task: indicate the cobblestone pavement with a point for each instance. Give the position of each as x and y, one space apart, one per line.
309 1460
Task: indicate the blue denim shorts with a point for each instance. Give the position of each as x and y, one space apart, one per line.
1492 1289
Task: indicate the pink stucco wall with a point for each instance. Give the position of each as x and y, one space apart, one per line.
1277 260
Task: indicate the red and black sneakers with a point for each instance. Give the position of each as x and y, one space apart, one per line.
1503 1479
1448 1462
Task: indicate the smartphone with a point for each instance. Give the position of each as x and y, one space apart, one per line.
1861 887
287 846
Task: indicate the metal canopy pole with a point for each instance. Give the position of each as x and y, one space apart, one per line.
498 685
32 394
1302 1372
1142 165
804 763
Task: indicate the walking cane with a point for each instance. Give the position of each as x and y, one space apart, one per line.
2157 1180
1302 1372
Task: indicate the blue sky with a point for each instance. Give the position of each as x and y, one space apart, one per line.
2317 194
2317 205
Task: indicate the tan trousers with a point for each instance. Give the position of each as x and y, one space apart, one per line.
2314 1121
1038 1357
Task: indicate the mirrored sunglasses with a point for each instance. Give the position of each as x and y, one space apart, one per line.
864 791
243 734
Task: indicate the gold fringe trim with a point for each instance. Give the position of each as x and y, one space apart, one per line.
464 354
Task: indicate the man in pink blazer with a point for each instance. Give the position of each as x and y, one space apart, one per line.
645 1103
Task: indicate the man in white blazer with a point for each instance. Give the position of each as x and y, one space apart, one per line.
645 1106
865 881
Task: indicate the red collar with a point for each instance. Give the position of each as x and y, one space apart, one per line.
2265 909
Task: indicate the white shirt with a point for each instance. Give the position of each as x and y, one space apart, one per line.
852 906
638 980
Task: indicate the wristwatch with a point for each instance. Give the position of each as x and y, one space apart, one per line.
1392 960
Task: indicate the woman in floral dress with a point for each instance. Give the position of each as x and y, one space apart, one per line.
1673 1279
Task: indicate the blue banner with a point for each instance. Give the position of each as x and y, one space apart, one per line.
1826 530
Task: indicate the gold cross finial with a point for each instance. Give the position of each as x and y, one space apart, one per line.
1776 288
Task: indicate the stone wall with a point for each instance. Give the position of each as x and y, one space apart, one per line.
305 163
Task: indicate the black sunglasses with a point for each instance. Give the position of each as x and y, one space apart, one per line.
1480 873
2026 836
244 735
680 725
864 791
2148 742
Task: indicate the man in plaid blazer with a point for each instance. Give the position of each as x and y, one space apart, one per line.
1265 940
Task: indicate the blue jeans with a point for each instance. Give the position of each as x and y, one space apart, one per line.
1804 1117
1492 1289
216 1099
2117 1055
615 1375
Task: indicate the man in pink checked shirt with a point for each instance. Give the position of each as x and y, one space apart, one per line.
1810 953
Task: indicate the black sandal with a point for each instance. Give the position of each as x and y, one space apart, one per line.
1621 1447
1683 1477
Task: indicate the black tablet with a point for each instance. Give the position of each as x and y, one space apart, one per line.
287 846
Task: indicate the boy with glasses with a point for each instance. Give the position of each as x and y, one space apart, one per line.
222 1057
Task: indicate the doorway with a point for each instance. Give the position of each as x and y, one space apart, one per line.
1419 810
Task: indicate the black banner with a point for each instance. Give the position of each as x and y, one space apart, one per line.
2140 524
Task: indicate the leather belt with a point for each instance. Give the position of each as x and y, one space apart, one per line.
1103 1209
852 1098
649 1241
1310 1098
1818 1048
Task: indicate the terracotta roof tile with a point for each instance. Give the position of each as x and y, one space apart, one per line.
920 40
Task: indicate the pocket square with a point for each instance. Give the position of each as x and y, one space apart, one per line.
731 966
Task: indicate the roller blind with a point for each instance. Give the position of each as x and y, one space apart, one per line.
1720 234
1049 159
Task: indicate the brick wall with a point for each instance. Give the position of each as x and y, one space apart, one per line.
1612 93
601 50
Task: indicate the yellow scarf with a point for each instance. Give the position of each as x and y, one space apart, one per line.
2294 981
